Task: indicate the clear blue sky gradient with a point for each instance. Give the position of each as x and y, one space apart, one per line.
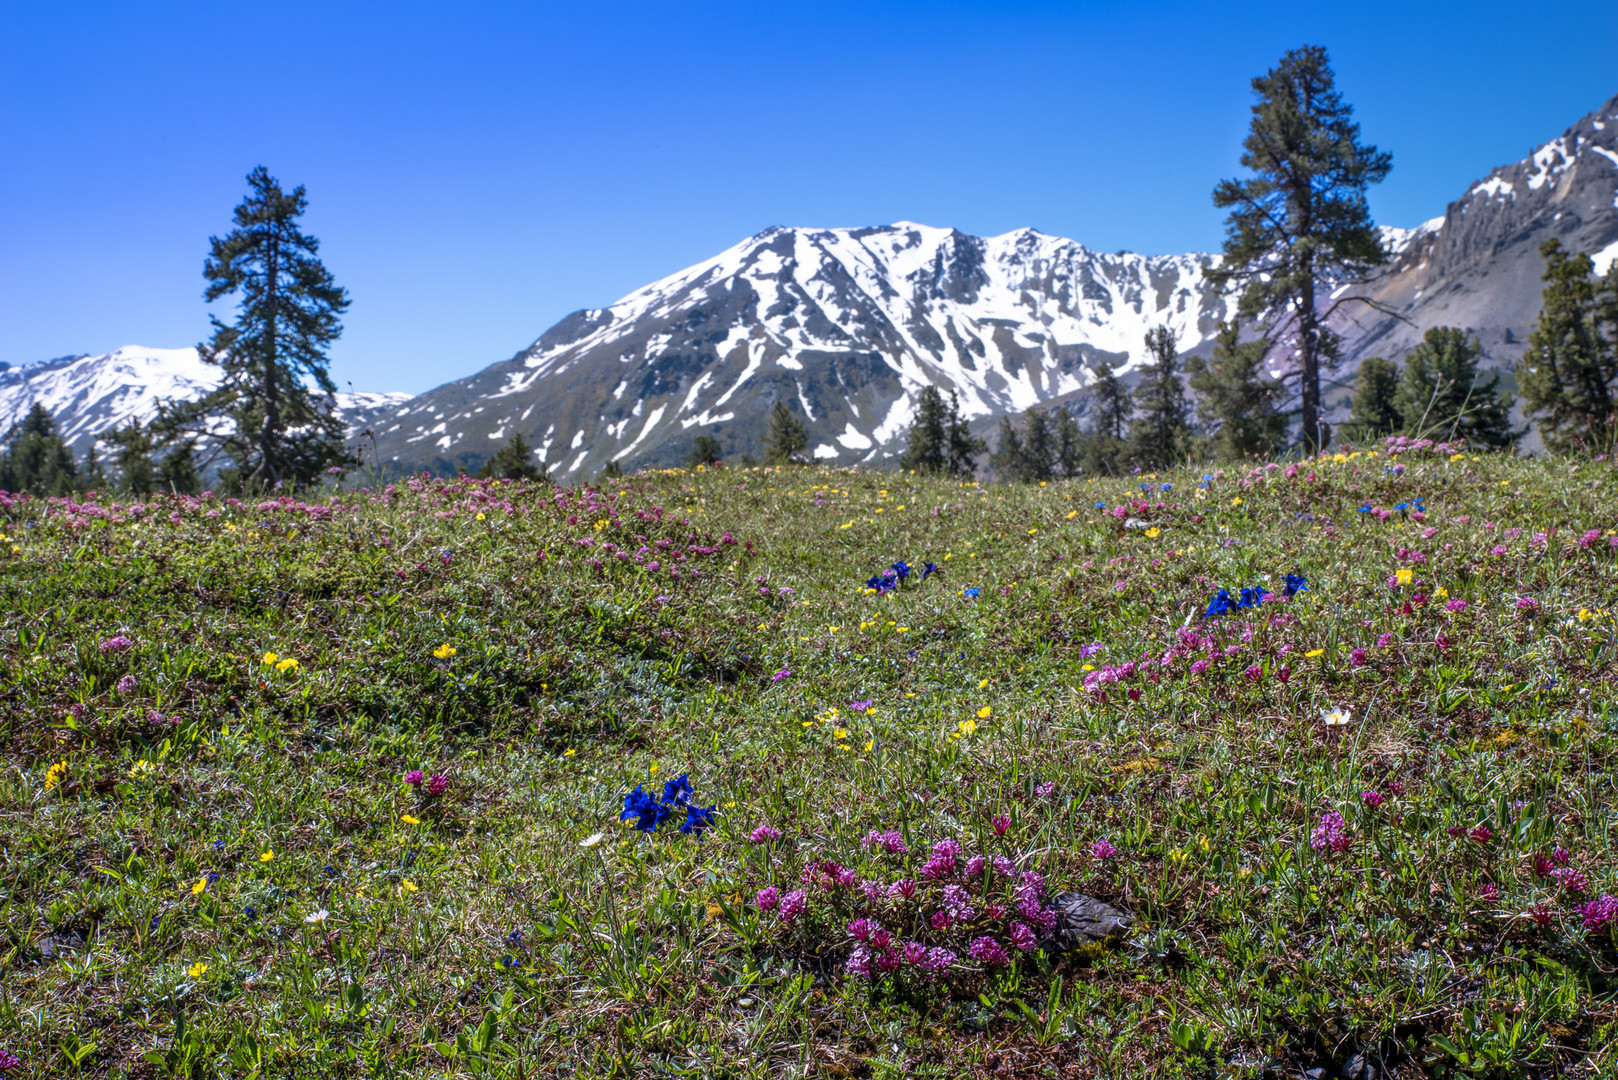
478 170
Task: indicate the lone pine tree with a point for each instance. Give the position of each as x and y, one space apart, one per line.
939 440
1301 217
513 461
705 450
275 429
1569 375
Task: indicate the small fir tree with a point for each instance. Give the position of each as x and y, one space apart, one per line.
1440 392
964 447
1569 375
927 441
1069 443
513 461
787 438
1236 401
131 447
35 458
1300 221
705 450
1375 411
1159 434
289 312
177 472
92 473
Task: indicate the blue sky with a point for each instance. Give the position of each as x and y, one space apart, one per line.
478 170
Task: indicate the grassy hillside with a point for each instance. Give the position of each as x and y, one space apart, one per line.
333 788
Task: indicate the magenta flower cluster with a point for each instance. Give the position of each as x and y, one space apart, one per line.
1330 834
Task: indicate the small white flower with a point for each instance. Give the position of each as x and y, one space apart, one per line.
592 840
318 917
1335 717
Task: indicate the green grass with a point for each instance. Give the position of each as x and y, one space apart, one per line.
1256 953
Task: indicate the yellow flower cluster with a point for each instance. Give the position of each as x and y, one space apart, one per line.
53 775
444 651
282 664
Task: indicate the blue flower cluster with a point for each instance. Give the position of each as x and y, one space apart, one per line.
1223 604
895 575
1413 504
652 811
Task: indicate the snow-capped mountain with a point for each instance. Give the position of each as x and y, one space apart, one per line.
89 396
846 325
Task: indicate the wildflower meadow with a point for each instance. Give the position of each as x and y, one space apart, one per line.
759 772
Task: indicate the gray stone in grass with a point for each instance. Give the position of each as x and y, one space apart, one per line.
1084 920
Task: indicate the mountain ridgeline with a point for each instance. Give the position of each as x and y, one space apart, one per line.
846 327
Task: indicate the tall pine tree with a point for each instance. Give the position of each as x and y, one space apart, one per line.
277 429
1442 395
1237 402
927 441
1301 218
513 461
132 456
1159 435
1569 375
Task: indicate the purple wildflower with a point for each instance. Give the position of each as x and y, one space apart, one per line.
1021 936
768 897
413 778
1373 799
437 784
764 834
1330 833
1103 850
1001 824
127 684
958 902
792 905
1598 913
974 866
903 887
861 929
9 1061
114 645
779 675
988 952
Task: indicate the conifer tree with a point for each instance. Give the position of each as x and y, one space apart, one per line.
1440 392
1102 450
278 429
132 456
1159 435
35 458
513 461
964 447
1375 412
1301 218
1069 443
92 474
787 438
1569 375
177 472
927 441
705 450
1236 401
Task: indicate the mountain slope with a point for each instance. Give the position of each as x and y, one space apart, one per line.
91 395
846 325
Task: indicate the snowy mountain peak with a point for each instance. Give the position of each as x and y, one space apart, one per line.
92 395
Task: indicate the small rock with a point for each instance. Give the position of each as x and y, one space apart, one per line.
1082 920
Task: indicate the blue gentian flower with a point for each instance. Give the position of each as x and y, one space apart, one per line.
1219 605
1164 487
697 819
640 804
510 962
972 593
1101 506
213 876
1366 509
250 911
929 568
902 569
157 920
1402 506
1296 583
219 845
675 791
1252 597
515 939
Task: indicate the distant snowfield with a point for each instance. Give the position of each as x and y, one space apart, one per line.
90 396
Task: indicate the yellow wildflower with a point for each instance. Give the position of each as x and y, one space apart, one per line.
270 658
444 651
985 712
409 820
53 775
1153 533
267 856
196 970
200 887
407 886
1403 575
1312 653
289 664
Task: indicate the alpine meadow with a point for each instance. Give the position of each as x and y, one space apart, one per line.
871 652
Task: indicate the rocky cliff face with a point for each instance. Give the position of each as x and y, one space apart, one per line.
1479 266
